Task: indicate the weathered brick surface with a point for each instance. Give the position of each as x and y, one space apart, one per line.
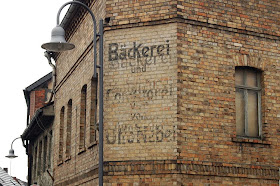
140 93
256 16
82 38
74 70
189 180
169 94
149 180
206 91
37 100
127 11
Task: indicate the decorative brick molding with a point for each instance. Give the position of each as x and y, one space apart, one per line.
189 167
229 170
72 23
192 22
91 174
250 59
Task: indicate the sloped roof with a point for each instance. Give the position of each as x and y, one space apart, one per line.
36 84
6 179
42 119
39 82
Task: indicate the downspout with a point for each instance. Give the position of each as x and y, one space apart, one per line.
27 98
49 55
30 162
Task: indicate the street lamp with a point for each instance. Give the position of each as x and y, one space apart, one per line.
59 44
11 154
11 151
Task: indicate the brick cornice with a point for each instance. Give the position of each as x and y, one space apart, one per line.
75 19
195 23
112 168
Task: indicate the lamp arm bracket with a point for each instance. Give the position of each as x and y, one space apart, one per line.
13 142
76 2
49 55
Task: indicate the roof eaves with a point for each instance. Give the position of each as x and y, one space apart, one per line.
33 122
39 82
34 85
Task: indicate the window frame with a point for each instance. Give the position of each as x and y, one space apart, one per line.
244 89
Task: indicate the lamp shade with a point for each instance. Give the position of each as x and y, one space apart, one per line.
11 154
58 42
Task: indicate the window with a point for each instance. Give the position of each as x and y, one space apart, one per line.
45 154
93 111
248 101
50 150
61 130
35 161
39 169
68 128
83 112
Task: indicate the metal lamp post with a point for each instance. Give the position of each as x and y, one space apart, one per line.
59 44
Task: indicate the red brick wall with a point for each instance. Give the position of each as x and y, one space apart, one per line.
37 100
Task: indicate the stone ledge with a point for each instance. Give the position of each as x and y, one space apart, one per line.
149 167
250 140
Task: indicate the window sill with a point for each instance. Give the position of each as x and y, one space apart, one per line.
91 145
68 158
82 150
250 140
59 162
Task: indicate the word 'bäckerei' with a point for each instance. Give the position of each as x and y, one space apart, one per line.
122 52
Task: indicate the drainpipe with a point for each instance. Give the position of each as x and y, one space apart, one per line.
49 55
27 98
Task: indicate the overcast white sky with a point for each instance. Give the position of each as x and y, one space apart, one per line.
25 25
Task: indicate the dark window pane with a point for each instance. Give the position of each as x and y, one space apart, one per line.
69 128
61 132
83 116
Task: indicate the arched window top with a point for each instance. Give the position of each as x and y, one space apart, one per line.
62 110
250 60
84 88
69 102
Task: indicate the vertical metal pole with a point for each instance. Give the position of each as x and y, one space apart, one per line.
10 167
100 170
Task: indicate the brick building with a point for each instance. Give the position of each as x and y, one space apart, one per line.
38 133
191 94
